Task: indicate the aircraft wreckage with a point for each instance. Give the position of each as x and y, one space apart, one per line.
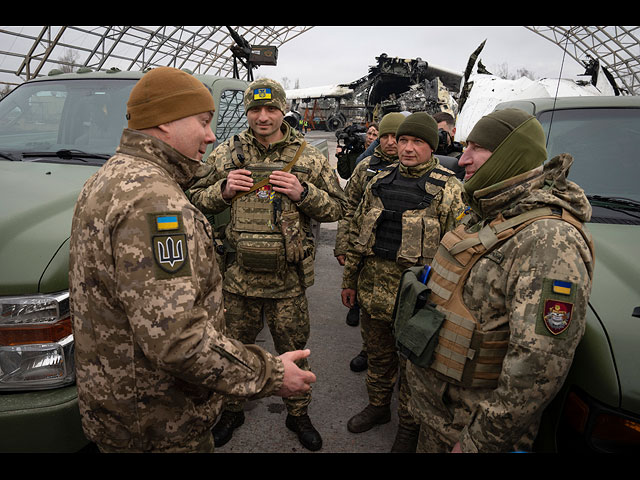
397 84
394 84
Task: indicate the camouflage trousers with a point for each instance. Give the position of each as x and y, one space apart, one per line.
288 322
445 410
385 367
202 444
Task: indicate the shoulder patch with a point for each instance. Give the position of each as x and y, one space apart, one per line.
555 311
169 245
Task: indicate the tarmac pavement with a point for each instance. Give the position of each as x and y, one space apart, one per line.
339 393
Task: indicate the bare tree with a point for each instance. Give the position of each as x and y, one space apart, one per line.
502 71
68 61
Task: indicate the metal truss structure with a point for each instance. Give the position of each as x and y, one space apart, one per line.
34 51
29 52
617 49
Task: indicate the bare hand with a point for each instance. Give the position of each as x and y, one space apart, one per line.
296 380
287 183
340 259
348 297
237 181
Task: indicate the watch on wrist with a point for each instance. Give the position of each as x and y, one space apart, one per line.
305 191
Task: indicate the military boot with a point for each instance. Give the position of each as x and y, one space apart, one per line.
406 439
223 430
359 362
369 418
309 437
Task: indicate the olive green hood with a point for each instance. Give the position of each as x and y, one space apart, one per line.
546 185
521 151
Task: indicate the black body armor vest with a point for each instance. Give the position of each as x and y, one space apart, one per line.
399 194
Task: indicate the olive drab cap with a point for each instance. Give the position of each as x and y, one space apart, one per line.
421 125
265 92
165 94
390 123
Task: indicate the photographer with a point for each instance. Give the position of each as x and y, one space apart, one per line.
352 141
447 146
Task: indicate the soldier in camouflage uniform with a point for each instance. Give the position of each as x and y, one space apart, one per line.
153 363
274 185
385 154
519 303
403 214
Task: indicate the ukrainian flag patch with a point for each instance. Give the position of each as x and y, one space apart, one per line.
166 222
262 94
563 288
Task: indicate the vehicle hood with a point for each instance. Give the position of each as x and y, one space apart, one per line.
614 295
35 221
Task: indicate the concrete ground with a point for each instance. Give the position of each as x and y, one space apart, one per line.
338 393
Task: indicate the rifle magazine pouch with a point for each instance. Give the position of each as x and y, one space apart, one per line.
260 252
365 240
410 249
416 322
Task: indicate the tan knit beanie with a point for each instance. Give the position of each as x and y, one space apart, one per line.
165 94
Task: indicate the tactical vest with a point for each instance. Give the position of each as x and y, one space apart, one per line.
376 165
256 216
464 354
398 195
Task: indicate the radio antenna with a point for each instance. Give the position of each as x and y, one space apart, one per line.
555 97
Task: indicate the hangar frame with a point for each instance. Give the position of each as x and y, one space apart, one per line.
33 51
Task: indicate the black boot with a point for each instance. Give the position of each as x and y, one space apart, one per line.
223 430
369 418
406 440
307 434
359 362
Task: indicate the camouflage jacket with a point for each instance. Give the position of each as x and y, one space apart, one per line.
509 288
354 191
324 202
376 279
153 363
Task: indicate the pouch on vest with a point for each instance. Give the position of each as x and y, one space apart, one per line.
365 240
260 252
416 322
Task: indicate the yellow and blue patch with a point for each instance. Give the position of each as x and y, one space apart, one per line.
168 242
262 94
563 288
167 222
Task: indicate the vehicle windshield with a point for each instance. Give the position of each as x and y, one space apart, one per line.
603 143
85 115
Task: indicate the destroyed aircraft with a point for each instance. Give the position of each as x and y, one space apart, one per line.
394 84
397 84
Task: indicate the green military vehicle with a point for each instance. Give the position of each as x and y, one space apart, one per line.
598 409
55 132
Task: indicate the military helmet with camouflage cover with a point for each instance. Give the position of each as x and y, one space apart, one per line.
265 92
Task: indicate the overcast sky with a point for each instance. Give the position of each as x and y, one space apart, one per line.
327 55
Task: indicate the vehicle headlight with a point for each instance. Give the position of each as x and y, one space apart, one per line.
36 342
